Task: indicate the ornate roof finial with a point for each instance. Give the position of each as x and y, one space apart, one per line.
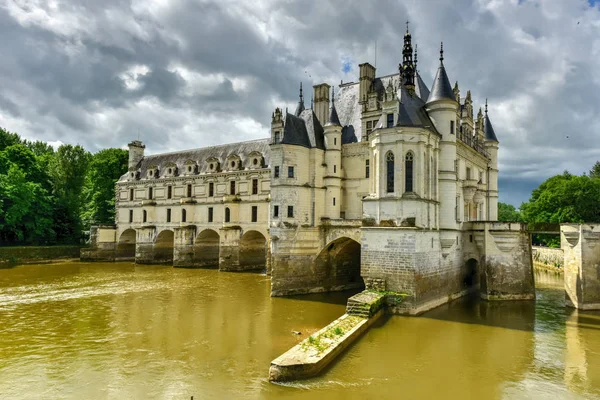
416 70
312 102
300 106
407 22
486 105
301 91
333 116
332 95
442 52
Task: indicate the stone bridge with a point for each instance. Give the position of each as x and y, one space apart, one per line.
316 259
229 247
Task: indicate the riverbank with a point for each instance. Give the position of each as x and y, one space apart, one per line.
19 255
548 259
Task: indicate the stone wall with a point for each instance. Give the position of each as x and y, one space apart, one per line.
548 257
581 244
10 256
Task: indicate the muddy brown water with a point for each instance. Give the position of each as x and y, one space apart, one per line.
121 331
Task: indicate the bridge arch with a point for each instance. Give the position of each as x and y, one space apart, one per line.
163 246
253 250
338 264
206 249
469 273
126 244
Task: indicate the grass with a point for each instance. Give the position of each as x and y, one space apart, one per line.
326 339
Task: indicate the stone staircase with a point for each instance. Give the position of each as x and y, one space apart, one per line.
365 304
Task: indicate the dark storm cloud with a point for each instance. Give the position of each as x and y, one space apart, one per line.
188 73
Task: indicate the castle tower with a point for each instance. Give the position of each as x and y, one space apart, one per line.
441 107
491 146
136 153
333 159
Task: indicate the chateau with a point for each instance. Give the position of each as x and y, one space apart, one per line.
381 182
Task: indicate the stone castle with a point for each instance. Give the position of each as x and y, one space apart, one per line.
382 183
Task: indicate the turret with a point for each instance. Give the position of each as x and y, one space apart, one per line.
442 108
136 153
333 159
491 146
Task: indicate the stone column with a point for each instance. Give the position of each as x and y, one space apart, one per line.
144 245
183 249
229 249
581 246
507 271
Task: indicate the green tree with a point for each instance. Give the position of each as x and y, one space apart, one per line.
595 171
508 213
25 209
105 168
67 170
8 139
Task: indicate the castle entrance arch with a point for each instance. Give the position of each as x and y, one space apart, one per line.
163 247
126 245
253 251
206 249
338 264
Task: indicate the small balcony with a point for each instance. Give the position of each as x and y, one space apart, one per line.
149 202
187 200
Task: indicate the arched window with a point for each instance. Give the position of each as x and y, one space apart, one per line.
389 159
408 172
227 214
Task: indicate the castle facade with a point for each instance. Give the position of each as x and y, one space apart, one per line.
383 182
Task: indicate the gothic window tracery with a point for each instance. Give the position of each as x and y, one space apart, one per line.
389 160
408 172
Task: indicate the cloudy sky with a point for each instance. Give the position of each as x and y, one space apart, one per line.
190 73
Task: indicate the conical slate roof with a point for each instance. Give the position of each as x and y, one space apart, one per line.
333 120
441 88
488 130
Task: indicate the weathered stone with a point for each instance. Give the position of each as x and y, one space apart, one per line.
581 245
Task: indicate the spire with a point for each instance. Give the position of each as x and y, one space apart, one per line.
407 70
416 70
333 116
488 130
300 106
441 89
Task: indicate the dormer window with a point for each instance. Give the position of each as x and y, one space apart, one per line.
390 120
256 159
277 137
213 164
234 162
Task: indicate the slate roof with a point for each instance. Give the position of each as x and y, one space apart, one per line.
349 110
304 130
441 88
488 130
201 155
333 120
411 111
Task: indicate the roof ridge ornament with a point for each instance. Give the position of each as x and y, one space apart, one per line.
442 52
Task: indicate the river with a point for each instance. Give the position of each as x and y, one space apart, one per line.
121 331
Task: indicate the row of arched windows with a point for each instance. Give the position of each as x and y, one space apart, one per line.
408 172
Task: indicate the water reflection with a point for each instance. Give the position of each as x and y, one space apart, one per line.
99 331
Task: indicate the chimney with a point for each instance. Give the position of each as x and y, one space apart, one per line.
321 99
366 78
136 153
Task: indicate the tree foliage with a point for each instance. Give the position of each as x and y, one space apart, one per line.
508 213
49 196
105 168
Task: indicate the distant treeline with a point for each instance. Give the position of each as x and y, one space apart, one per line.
50 197
564 198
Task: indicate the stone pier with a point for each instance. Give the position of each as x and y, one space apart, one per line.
581 246
507 270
